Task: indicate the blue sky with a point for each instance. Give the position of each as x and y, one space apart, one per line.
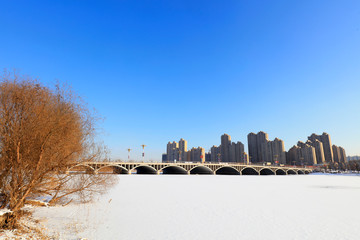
161 70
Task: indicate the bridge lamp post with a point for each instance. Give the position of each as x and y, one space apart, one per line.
219 160
129 149
143 152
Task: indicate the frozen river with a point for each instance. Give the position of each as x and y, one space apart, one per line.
215 207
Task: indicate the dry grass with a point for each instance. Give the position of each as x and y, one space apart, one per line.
28 228
36 203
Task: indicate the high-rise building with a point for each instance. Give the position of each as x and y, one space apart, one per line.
263 150
197 154
236 151
188 156
336 153
302 154
245 159
229 151
262 146
252 146
307 155
164 158
182 150
319 150
327 146
342 155
276 151
225 148
208 157
293 155
172 151
215 154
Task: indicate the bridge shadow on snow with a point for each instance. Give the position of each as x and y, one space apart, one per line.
266 171
227 171
249 171
201 170
174 170
145 170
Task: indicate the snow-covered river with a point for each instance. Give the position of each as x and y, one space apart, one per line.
215 207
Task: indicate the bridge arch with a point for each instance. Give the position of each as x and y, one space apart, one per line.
82 168
291 172
280 172
173 170
266 171
227 170
201 170
300 172
115 169
144 169
249 171
307 172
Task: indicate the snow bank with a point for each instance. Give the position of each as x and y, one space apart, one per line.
215 207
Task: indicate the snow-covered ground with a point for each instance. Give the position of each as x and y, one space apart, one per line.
215 207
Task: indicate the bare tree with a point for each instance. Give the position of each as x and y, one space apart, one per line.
42 133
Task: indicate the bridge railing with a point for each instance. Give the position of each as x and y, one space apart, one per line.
200 163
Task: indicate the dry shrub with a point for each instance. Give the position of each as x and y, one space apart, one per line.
42 132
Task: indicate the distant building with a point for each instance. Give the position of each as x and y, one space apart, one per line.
172 151
225 148
276 151
197 154
229 151
236 151
319 150
188 156
182 150
245 158
208 157
262 146
327 146
164 157
353 158
215 154
342 155
336 153
292 156
307 155
178 152
252 147
325 152
263 150
302 154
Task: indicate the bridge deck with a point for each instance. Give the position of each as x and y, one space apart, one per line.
186 168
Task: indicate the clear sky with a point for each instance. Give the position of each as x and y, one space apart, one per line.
161 70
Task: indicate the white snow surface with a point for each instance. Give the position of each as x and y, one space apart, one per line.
4 211
215 207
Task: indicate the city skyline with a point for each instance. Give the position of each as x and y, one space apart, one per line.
277 143
163 70
317 150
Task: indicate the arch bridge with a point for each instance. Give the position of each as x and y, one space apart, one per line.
183 168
